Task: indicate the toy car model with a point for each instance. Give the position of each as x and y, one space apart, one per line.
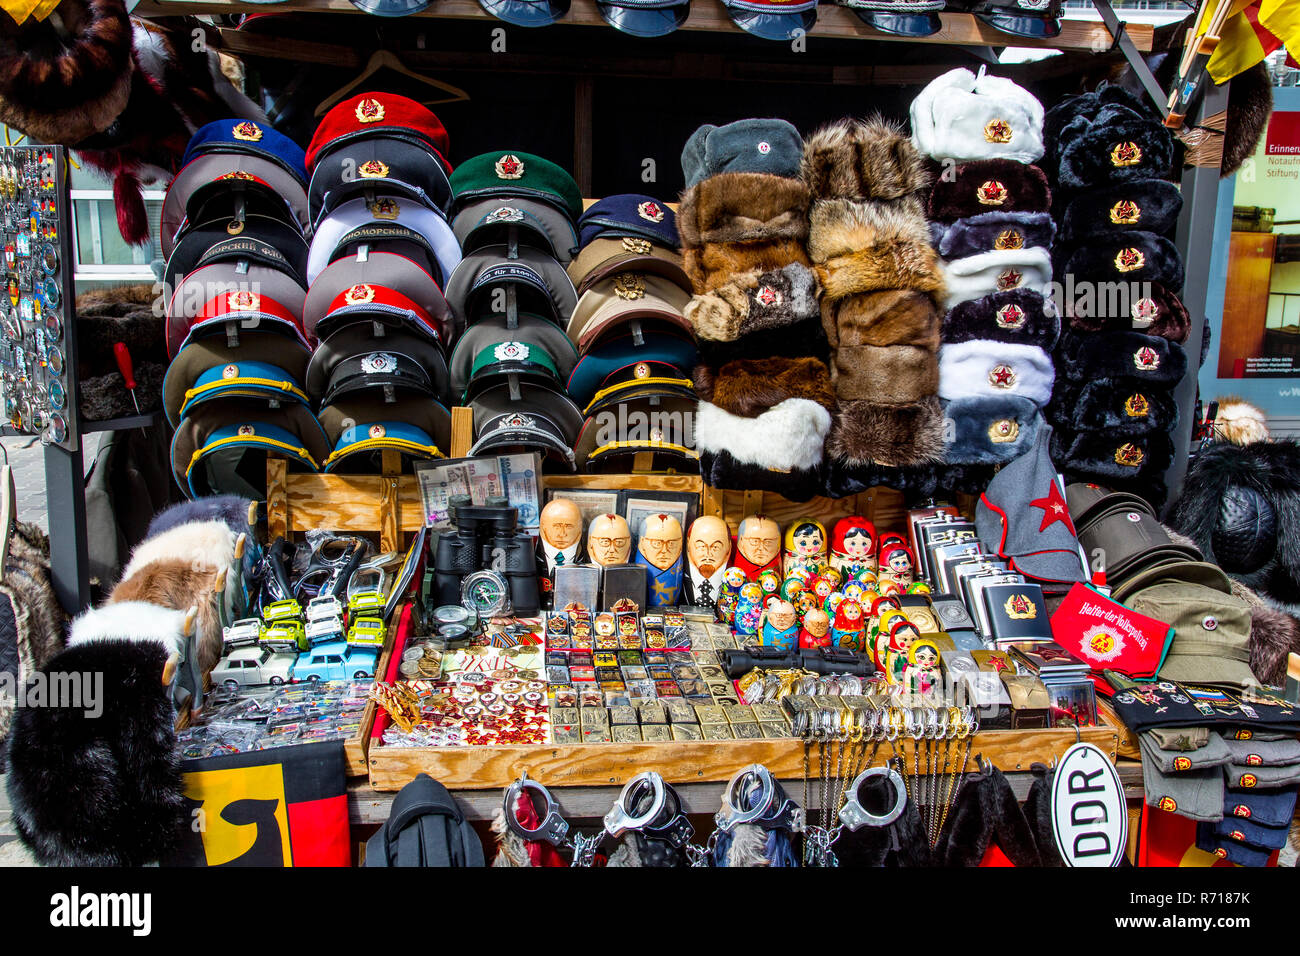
336 661
364 601
326 606
367 631
286 634
323 630
243 633
286 610
251 666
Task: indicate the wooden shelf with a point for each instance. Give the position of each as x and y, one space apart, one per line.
707 16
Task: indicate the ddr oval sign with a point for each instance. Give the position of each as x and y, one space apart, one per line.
1089 814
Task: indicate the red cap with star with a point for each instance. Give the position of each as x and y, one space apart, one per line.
383 114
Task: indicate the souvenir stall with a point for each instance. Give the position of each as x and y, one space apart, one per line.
688 434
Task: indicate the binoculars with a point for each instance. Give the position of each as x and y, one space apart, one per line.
485 539
819 660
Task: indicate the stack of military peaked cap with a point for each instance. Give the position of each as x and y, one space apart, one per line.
1110 159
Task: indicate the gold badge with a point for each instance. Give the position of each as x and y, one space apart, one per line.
230 371
372 169
234 227
991 193
246 430
1125 212
639 246
242 300
1248 780
1010 316
1002 376
370 110
1009 279
1144 312
248 132
997 131
641 370
238 174
650 211
1003 431
359 295
385 208
1146 359
629 285
378 431
1127 260
1168 804
1136 405
1125 154
1020 608
510 166
1182 763
1009 239
1129 454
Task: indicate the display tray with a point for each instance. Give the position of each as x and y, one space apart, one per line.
686 761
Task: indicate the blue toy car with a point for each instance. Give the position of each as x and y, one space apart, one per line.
336 660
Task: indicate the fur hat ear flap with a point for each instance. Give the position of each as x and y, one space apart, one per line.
888 317
803 339
721 470
889 375
840 227
178 585
995 369
1148 359
66 78
1112 458
1115 144
753 302
1132 257
749 388
991 185
1149 205
131 621
717 263
1019 315
989 430
1115 406
1151 309
996 230
862 160
998 271
743 207
867 432
789 435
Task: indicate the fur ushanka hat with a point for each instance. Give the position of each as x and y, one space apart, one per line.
789 435
865 247
721 470
868 432
995 369
67 77
989 429
748 387
1148 359
1018 315
1159 312
802 339
1148 205
770 146
1113 145
863 160
743 207
991 185
964 116
887 317
1065 111
1000 270
890 375
754 302
717 263
1114 406
1131 257
1000 231
1112 458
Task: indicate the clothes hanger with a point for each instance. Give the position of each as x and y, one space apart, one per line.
386 59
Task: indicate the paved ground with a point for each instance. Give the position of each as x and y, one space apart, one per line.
27 456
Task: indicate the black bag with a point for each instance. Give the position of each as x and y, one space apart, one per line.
425 828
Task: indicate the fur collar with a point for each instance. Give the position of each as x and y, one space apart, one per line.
839 227
862 160
1018 315
996 230
743 207
992 185
888 317
887 265
867 432
717 263
889 375
1132 257
1127 355
789 435
989 430
995 369
753 302
206 545
998 271
130 621
749 388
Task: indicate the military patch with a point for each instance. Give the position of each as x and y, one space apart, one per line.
1182 763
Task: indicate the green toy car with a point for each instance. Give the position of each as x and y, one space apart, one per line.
367 632
365 601
286 610
285 634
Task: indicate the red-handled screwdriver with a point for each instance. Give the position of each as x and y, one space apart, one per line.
124 366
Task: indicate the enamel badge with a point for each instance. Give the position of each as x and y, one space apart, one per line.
509 166
991 193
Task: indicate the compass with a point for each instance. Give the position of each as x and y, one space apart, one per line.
485 592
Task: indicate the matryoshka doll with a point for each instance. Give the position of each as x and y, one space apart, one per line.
921 676
770 582
816 625
835 576
749 608
884 612
733 579
853 545
805 546
821 588
897 564
780 626
902 633
846 631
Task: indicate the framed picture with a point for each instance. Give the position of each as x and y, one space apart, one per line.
637 509
590 503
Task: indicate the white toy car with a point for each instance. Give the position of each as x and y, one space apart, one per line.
251 666
243 633
324 630
324 607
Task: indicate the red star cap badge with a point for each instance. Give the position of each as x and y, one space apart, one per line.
1054 509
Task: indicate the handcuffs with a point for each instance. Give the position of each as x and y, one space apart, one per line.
325 574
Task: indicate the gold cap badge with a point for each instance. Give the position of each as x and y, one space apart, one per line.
248 132
1009 239
1136 405
1130 259
1010 316
1125 212
997 131
1125 154
359 294
1004 430
1129 454
639 246
1002 376
510 166
369 110
372 169
991 193
629 285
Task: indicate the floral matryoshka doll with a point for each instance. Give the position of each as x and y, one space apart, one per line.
902 633
921 675
770 582
749 608
846 631
898 564
853 545
732 581
805 546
